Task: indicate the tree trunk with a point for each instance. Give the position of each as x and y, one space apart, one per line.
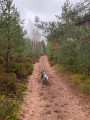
7 56
8 40
7 53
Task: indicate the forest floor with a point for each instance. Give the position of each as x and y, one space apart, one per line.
54 101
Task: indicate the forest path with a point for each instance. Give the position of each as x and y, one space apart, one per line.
54 101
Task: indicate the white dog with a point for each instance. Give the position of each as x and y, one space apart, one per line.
44 77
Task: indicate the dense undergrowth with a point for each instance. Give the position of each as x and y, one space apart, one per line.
12 86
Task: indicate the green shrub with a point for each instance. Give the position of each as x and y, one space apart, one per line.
31 60
85 88
22 70
21 87
60 68
8 108
8 83
83 81
29 67
78 78
52 62
12 88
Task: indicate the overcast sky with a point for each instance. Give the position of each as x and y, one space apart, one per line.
44 9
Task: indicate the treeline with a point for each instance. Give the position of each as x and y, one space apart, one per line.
69 41
36 48
17 56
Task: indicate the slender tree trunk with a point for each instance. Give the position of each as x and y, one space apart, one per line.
8 50
7 56
8 41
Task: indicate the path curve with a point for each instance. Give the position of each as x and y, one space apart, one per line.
54 101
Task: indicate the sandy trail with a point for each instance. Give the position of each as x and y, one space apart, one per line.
51 102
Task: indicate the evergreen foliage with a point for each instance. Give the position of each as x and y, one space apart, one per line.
17 56
69 37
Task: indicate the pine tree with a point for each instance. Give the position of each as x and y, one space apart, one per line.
11 33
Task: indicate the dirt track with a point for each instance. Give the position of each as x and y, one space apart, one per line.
51 102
